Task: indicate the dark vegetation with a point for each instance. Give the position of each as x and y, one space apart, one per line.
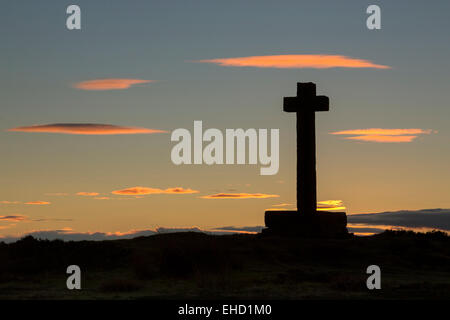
196 265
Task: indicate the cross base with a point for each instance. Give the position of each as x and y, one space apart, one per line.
323 224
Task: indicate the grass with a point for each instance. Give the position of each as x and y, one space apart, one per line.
199 266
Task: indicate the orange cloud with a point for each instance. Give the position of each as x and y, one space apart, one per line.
326 205
296 61
178 190
88 194
384 132
85 128
109 84
282 205
137 191
13 218
239 196
37 202
8 202
383 135
330 205
144 191
389 139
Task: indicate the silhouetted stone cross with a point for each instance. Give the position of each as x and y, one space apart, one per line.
305 104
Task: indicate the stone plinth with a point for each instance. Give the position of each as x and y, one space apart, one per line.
319 224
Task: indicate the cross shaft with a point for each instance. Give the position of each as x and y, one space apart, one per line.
305 104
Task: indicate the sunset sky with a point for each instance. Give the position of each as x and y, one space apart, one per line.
86 115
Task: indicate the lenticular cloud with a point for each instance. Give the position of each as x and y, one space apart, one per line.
382 135
109 84
85 128
296 61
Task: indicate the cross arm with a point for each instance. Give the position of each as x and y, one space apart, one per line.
295 104
322 103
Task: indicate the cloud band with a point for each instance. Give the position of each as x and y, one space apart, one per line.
85 129
296 61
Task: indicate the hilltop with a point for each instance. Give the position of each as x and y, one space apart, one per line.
193 265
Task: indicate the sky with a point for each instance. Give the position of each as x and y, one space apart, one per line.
86 115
